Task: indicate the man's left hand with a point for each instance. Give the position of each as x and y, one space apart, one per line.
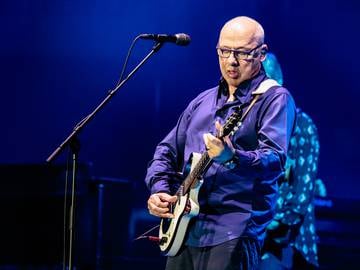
219 150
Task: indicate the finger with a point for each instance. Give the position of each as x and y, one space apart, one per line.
206 139
155 201
227 140
218 127
215 142
173 199
160 212
211 140
211 137
164 197
167 215
160 203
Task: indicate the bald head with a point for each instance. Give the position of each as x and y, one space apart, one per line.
245 28
242 38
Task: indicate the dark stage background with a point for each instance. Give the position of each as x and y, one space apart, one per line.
59 58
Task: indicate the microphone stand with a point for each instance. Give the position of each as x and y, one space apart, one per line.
74 144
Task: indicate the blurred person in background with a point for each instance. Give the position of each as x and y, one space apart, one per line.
291 236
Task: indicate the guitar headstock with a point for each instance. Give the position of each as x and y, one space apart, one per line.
232 124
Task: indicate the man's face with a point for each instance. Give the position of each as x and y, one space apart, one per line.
242 64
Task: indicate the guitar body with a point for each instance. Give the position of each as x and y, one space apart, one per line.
172 231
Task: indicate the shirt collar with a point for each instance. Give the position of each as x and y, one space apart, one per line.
245 87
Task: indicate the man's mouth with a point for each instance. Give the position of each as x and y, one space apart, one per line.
233 73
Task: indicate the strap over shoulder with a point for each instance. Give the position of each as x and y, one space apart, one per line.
264 86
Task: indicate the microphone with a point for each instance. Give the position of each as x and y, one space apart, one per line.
179 39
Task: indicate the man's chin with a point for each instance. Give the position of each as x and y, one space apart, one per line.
234 82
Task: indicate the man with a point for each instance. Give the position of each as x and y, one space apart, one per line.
291 236
239 190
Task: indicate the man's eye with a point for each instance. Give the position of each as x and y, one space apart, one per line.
241 53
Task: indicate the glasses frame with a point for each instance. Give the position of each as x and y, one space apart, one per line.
238 54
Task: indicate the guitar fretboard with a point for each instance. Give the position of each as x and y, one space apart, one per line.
204 162
231 125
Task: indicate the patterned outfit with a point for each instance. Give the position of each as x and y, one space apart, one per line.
294 207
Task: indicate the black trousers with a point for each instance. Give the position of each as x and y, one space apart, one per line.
237 254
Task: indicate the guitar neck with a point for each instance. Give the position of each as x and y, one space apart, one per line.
196 173
232 124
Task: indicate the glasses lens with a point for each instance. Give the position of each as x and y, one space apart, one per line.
223 52
238 54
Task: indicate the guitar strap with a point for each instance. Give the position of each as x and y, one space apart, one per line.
263 87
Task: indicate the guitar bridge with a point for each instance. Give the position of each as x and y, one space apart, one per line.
187 207
163 240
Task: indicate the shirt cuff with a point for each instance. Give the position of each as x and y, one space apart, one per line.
232 163
160 186
239 157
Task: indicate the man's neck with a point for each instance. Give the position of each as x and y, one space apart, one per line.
231 99
232 90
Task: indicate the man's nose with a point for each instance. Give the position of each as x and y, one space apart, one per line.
232 59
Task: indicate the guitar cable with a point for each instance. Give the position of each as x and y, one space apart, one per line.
149 237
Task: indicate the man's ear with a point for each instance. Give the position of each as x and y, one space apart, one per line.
264 49
263 52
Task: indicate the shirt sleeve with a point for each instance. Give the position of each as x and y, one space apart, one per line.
163 170
275 125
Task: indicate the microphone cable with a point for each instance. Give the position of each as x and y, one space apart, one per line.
121 74
127 59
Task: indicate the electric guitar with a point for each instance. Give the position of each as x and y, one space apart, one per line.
172 231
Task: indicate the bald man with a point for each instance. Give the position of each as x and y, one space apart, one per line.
237 196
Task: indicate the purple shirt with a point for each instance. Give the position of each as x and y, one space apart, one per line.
237 201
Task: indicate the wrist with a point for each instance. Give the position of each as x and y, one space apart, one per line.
232 162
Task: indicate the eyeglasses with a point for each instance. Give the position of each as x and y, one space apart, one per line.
238 54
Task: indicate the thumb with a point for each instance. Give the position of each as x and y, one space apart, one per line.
228 141
218 127
167 198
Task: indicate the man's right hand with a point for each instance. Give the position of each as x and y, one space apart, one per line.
158 204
